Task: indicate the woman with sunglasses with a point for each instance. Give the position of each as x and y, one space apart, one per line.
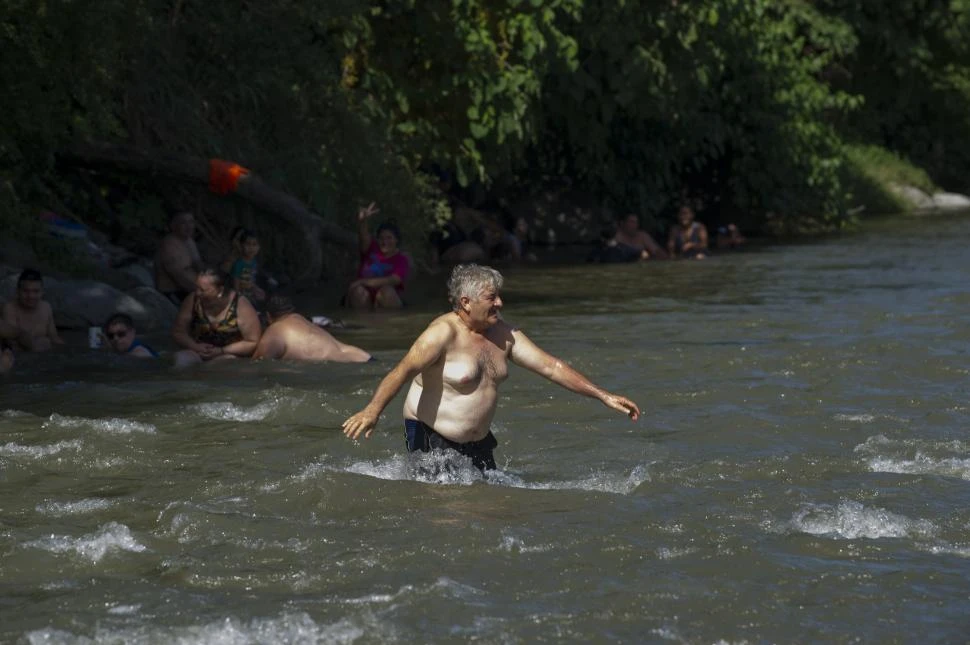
119 331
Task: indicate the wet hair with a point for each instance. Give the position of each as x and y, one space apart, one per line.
177 214
247 234
392 227
470 280
118 319
279 305
219 277
624 216
29 275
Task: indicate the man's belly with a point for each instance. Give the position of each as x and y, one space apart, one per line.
458 417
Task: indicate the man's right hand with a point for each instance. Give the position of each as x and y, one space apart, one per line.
363 421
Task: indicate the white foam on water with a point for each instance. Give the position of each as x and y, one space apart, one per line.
110 537
79 507
124 610
922 465
669 553
39 452
107 426
297 629
448 467
914 456
14 414
947 549
856 418
851 520
515 544
226 411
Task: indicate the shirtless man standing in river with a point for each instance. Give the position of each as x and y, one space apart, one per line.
457 364
177 261
292 337
31 315
629 234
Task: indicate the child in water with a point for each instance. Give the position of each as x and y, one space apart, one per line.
244 270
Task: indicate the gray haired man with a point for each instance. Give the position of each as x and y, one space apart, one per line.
455 367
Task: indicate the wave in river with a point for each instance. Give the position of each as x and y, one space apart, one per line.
59 509
93 547
107 426
917 456
437 467
39 452
288 628
851 520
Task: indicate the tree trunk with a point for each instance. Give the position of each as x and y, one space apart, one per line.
128 159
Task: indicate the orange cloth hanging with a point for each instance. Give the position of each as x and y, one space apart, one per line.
224 176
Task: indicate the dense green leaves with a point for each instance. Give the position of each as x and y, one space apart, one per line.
744 105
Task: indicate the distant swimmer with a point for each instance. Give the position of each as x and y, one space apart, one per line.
457 364
290 336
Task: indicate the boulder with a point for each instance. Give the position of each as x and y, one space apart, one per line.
912 196
13 252
950 201
161 311
141 274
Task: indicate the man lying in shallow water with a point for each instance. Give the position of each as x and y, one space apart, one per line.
457 364
290 336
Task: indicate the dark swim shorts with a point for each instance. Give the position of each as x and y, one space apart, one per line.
420 436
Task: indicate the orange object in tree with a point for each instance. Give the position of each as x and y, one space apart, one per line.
224 176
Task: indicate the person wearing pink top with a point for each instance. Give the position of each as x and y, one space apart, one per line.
383 267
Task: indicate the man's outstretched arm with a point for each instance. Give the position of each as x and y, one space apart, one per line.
532 357
427 349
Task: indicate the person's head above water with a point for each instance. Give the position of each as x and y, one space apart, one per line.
210 284
474 293
629 223
685 215
278 306
182 225
30 289
119 330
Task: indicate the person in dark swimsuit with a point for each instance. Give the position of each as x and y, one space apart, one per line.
214 322
689 238
119 331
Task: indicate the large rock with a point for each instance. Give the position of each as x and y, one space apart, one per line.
912 196
16 253
161 310
79 304
950 201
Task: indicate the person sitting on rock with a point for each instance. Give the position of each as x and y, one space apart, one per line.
290 336
215 322
31 315
177 261
120 333
383 267
245 269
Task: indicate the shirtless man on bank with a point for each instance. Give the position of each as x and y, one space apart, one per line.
177 261
457 364
292 337
629 233
31 315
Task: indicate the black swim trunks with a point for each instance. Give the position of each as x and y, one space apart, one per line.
420 436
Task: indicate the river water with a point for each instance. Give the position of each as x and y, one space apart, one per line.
801 472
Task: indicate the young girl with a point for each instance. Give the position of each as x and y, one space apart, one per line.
244 269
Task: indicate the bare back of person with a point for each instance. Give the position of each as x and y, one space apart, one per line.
457 394
293 337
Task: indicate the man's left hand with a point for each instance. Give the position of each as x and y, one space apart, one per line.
622 404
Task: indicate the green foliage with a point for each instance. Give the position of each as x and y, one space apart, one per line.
871 172
742 104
